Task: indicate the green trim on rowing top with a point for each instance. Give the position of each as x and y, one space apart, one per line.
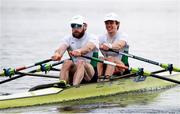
93 62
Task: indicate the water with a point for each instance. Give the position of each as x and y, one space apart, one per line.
31 29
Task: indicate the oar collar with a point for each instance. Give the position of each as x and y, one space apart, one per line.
9 72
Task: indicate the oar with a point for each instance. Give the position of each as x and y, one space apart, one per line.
106 62
131 75
133 70
33 71
11 71
147 73
169 67
38 75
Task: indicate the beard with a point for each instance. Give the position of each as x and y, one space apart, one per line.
78 35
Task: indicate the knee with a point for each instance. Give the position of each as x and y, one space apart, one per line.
67 64
80 63
67 61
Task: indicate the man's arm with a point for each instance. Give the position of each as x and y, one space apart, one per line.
59 52
118 45
88 48
84 50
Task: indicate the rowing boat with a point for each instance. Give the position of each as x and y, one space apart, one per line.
56 94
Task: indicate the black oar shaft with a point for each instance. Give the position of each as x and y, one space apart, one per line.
164 78
158 71
16 77
152 74
169 67
137 57
143 59
6 71
134 74
36 64
37 75
41 62
33 71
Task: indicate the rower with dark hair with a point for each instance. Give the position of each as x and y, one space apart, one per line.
113 39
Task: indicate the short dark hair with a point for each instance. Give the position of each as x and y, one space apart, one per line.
117 23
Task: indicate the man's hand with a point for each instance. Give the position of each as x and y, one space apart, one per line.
105 46
75 53
56 57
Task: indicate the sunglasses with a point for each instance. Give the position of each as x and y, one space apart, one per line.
76 26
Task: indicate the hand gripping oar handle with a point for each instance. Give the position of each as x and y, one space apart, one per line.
168 67
11 71
33 71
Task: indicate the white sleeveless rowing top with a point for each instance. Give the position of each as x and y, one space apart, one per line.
105 39
75 43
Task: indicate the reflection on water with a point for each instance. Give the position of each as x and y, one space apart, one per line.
121 101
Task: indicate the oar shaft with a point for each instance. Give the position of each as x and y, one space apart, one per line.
30 66
133 75
26 67
16 77
136 57
164 78
33 71
169 67
142 59
134 70
37 75
41 62
147 73
106 62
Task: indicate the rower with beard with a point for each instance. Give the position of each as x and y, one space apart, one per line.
80 43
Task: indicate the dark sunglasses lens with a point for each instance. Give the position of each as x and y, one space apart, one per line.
76 26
